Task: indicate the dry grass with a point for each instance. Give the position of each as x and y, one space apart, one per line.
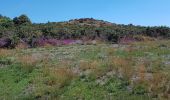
58 76
144 38
99 72
141 72
21 46
45 59
111 51
85 65
28 62
117 61
159 85
126 67
6 52
95 68
47 45
130 49
63 76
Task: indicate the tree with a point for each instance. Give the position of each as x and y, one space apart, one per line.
1 16
22 20
5 22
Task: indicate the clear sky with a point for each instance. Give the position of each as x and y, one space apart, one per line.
138 12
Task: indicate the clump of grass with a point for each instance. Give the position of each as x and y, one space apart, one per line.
63 76
98 72
45 59
85 65
130 49
111 51
28 62
59 78
124 66
141 72
92 69
139 89
159 85
51 82
21 46
5 61
47 45
5 55
5 52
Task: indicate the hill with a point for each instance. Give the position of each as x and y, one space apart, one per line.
22 30
83 59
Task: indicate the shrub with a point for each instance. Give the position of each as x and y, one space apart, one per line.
139 89
5 61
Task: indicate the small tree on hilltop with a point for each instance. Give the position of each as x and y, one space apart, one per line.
22 20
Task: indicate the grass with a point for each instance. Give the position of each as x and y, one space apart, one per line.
136 71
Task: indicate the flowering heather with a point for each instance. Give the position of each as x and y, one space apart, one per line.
54 42
4 42
68 41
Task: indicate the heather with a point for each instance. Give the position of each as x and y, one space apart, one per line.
83 59
21 30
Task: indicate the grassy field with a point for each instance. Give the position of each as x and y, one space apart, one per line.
136 71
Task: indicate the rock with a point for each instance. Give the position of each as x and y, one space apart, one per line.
148 76
94 42
167 63
115 46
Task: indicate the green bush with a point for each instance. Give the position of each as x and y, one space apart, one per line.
88 29
139 89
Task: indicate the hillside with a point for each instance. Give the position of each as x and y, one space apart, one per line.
22 30
137 71
83 59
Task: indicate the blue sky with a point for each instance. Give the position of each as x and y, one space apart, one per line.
138 12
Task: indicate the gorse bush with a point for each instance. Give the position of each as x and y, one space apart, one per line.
22 29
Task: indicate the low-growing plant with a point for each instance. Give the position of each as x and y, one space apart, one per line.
124 66
159 85
58 76
111 51
5 61
5 52
85 65
115 85
141 72
28 62
139 89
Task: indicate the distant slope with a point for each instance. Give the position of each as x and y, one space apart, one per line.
21 29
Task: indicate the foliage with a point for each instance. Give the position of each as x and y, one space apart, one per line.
21 20
84 29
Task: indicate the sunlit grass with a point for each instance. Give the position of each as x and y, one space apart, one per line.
134 71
